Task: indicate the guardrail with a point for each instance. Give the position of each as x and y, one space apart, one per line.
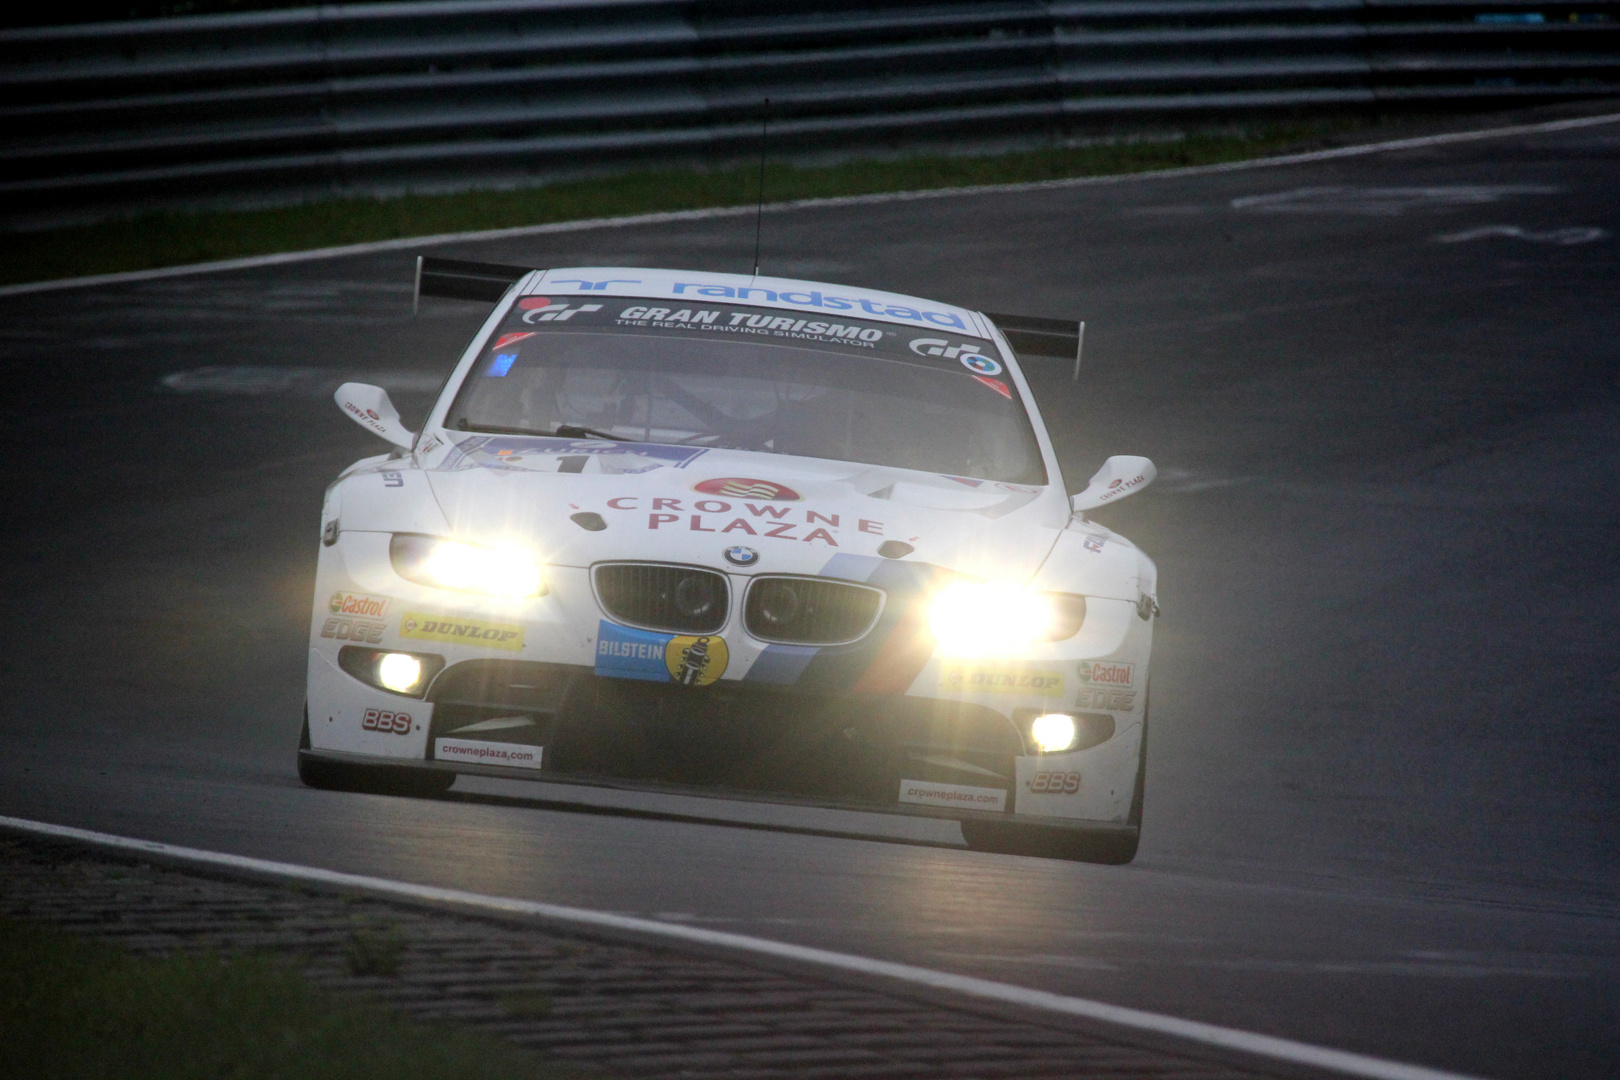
390 95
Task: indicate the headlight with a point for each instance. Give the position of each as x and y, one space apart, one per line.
986 618
451 564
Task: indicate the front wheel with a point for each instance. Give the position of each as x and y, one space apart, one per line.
369 779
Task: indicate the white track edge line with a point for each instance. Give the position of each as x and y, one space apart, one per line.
587 224
1266 1046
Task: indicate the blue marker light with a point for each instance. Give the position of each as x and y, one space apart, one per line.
501 364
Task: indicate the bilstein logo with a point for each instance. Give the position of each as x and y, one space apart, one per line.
696 661
744 487
1106 674
414 624
348 603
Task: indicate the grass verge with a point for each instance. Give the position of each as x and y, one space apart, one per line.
173 239
83 1009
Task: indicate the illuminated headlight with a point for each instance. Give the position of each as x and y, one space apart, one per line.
1054 732
451 564
986 618
397 672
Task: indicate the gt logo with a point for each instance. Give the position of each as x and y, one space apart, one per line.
544 309
969 354
1054 783
389 723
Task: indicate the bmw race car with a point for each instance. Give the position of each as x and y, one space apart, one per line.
782 539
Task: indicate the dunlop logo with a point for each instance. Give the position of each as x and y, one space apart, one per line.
414 624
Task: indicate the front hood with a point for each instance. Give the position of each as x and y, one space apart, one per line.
690 504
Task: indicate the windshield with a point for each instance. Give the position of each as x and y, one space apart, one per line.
751 379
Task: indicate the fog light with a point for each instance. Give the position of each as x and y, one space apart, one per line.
399 672
396 672
1054 732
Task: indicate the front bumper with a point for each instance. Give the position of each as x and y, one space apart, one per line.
849 726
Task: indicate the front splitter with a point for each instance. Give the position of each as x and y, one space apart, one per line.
503 772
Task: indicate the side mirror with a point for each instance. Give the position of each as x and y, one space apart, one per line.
369 407
1120 476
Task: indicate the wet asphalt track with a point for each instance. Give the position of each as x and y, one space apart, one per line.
1382 791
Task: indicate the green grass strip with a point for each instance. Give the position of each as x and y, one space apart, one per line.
72 1008
174 239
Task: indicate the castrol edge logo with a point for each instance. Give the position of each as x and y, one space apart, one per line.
746 487
1100 674
348 603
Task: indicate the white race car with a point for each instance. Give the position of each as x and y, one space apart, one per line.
787 539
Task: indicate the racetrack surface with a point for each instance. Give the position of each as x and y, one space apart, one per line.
1383 395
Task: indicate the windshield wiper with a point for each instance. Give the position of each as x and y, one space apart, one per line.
574 431
564 431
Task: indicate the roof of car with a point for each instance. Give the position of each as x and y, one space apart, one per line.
809 297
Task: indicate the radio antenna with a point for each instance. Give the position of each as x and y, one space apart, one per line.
759 207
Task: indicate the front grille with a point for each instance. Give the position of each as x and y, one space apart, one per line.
683 599
810 611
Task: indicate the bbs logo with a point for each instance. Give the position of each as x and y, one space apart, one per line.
1054 783
389 723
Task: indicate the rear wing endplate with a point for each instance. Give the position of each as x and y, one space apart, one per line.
1030 336
457 279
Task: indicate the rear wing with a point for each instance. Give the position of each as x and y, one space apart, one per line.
456 279
1057 338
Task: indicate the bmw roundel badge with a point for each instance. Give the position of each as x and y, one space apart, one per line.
741 556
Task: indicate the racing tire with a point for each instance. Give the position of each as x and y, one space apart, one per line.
1076 845
367 779
1135 817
